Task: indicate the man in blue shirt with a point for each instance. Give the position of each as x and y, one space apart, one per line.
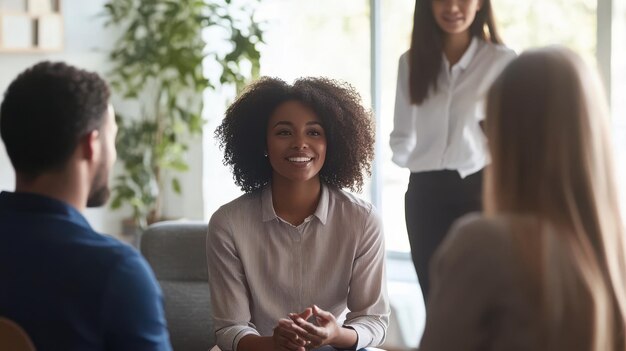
67 286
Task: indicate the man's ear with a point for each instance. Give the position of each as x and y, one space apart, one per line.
89 145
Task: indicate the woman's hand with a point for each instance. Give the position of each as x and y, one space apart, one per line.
286 338
326 332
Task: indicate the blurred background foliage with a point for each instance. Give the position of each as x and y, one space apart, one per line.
158 68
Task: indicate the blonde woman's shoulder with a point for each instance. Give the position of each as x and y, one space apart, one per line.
480 227
475 234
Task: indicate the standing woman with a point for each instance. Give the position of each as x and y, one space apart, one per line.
455 54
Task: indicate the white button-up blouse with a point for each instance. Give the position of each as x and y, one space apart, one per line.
443 132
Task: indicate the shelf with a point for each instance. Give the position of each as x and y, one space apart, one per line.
37 29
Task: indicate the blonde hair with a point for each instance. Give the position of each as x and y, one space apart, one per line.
550 143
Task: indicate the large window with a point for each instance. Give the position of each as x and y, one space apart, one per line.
317 38
533 23
396 27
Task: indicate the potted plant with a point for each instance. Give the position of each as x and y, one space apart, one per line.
158 67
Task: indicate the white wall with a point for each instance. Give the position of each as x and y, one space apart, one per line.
87 43
219 186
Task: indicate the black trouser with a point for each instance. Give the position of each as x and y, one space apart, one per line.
433 201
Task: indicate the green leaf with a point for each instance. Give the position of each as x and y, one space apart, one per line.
176 186
158 69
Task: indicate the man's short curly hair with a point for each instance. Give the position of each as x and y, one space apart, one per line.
46 110
348 126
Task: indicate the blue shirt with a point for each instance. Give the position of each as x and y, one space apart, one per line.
70 287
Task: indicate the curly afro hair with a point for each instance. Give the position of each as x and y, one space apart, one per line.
348 126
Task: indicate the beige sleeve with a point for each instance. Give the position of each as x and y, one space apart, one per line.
367 299
227 284
470 274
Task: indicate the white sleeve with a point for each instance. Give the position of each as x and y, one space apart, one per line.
402 139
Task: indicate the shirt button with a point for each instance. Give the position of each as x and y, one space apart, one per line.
297 236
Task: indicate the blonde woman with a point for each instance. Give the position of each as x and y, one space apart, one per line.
545 267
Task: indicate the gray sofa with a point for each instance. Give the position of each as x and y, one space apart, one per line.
176 251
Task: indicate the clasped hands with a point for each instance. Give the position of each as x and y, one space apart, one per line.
296 333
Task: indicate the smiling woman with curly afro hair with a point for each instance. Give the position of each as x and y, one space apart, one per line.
296 244
348 126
